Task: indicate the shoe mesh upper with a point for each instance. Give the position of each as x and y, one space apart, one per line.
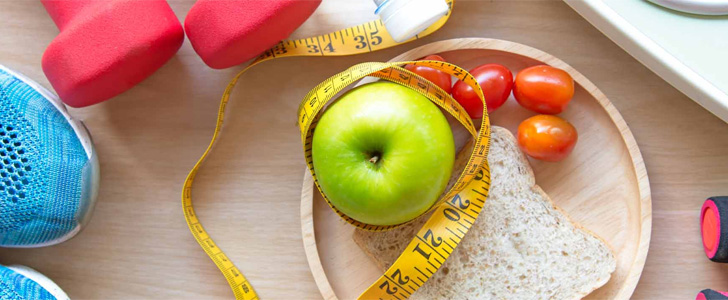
42 168
17 155
15 286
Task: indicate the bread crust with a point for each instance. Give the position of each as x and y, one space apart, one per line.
522 157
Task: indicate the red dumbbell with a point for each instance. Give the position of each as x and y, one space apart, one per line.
229 32
105 47
714 228
708 294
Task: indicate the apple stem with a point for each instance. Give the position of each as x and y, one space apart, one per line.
374 159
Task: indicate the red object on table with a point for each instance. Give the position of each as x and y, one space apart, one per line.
714 228
495 80
226 33
106 47
708 294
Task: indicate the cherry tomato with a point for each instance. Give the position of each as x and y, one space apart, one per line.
437 77
543 89
496 82
547 137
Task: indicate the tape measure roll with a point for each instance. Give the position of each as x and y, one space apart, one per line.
455 212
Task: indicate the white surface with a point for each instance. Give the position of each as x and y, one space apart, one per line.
688 51
704 7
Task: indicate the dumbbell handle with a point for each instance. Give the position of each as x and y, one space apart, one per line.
63 11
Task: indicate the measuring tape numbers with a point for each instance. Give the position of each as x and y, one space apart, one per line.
455 212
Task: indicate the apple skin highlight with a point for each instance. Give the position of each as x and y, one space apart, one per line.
383 153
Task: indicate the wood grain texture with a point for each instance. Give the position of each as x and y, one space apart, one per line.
138 246
602 185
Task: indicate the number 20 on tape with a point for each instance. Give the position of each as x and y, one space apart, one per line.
453 214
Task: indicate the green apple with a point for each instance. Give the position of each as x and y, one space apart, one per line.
383 153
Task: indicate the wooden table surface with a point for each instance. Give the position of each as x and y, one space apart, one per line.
138 246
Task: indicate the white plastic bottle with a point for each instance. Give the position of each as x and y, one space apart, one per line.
406 18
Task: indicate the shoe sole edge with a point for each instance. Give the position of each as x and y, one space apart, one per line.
41 280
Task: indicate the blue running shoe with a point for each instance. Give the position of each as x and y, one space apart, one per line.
23 283
49 172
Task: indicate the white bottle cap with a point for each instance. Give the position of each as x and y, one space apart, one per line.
406 18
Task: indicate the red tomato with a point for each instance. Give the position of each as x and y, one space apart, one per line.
543 89
496 82
437 77
547 137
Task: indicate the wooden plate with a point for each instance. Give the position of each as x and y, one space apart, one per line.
603 185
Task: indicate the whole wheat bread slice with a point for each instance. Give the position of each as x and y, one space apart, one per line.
521 247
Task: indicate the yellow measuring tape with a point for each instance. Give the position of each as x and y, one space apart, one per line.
455 212
463 201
